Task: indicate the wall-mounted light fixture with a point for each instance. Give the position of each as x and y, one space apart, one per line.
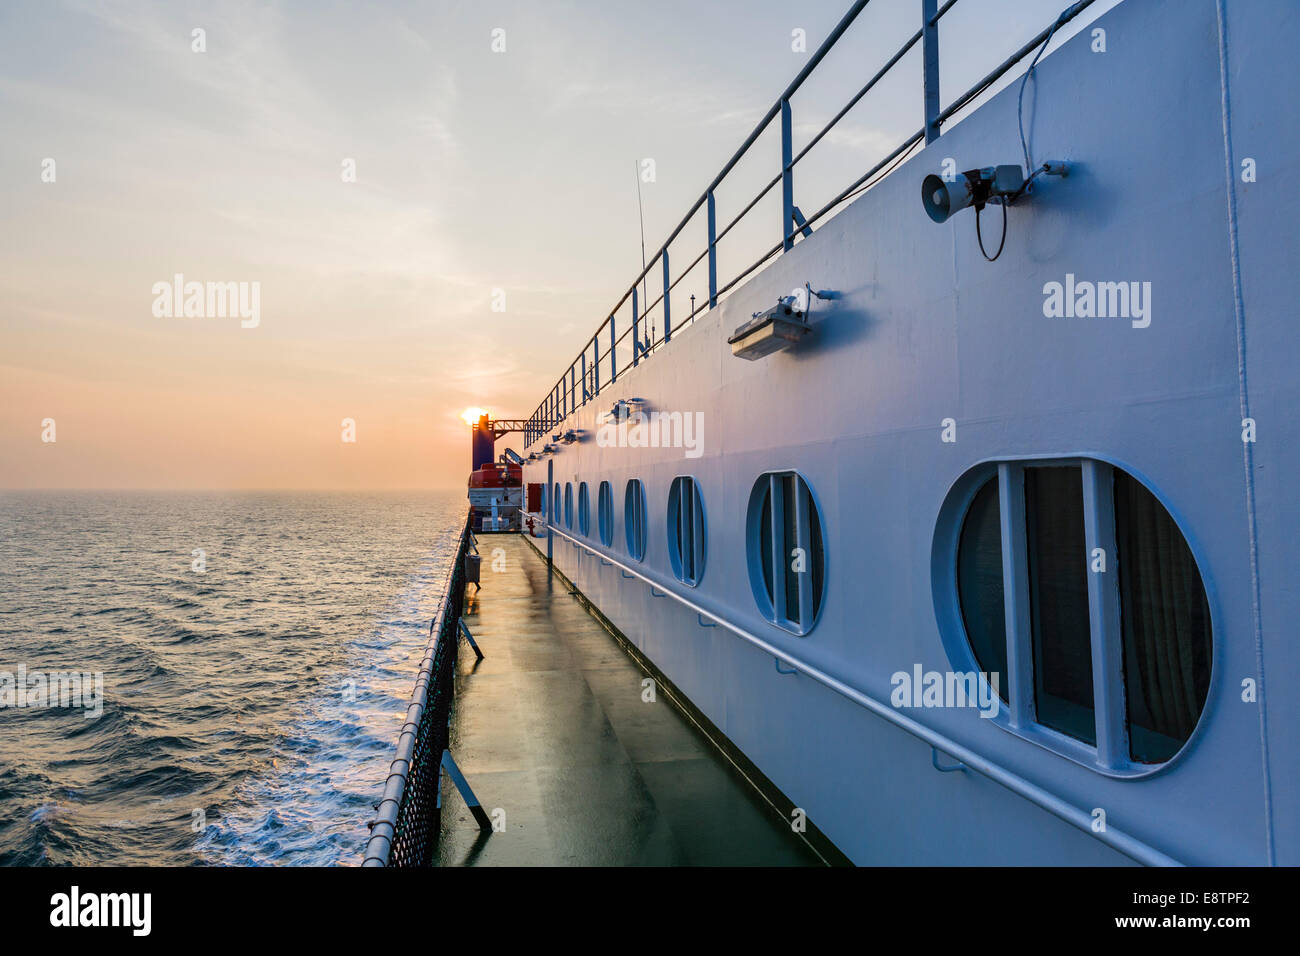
777 328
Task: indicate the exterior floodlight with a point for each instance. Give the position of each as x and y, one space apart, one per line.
770 331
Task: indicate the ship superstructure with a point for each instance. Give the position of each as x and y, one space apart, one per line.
964 515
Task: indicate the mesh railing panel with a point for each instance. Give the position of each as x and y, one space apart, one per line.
406 829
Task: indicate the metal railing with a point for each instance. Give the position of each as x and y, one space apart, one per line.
581 381
1123 842
405 830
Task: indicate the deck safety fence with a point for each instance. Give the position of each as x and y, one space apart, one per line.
405 830
582 381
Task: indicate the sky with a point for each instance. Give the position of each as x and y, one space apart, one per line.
436 204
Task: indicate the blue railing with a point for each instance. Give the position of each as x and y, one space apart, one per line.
582 382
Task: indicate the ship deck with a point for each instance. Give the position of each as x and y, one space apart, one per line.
551 727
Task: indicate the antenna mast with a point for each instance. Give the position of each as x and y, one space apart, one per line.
636 167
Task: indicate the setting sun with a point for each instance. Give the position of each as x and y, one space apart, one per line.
472 415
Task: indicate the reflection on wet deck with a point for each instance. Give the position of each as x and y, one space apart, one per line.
551 728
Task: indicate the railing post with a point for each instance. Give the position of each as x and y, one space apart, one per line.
636 335
613 349
573 386
668 318
713 252
595 361
930 68
787 178
586 396
550 520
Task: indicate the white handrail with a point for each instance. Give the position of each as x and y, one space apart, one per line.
1128 845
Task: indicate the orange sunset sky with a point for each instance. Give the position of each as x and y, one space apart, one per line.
475 170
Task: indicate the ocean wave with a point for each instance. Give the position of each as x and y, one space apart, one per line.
249 713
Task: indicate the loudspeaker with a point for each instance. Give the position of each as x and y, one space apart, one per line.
942 198
971 188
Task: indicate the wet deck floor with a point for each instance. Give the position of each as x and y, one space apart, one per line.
551 727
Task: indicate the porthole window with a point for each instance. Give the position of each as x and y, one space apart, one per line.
787 558
555 504
634 518
584 509
1075 569
1165 625
568 505
605 513
686 541
979 581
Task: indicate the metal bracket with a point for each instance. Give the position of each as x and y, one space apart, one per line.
654 593
934 760
604 562
801 222
777 662
471 801
704 623
625 574
464 629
